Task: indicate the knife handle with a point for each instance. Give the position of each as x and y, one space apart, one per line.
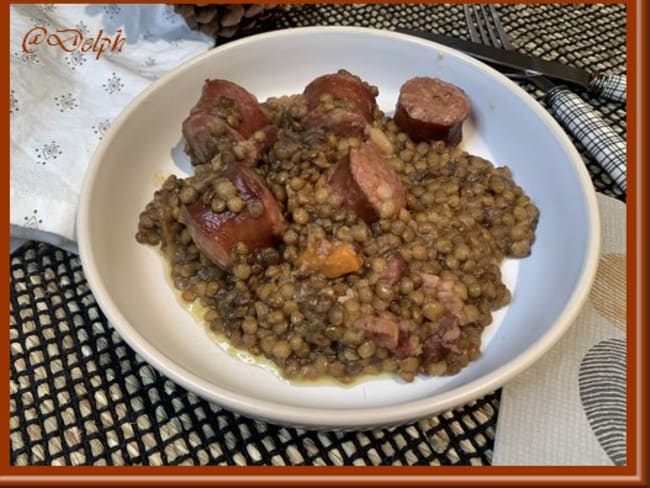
602 142
610 86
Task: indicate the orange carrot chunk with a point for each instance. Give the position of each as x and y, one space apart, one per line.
332 259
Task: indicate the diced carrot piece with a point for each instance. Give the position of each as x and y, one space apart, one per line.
332 259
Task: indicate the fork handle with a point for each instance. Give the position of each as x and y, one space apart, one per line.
602 142
610 86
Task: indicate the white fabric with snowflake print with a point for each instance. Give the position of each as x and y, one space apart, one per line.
63 101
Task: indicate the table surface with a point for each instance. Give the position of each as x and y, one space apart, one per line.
80 395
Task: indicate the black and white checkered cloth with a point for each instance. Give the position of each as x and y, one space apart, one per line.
80 395
610 86
603 144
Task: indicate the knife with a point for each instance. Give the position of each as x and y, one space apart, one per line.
607 85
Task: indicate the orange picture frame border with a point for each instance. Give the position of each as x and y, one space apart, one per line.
634 474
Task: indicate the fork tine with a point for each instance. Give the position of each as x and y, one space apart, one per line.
473 33
487 18
480 22
503 35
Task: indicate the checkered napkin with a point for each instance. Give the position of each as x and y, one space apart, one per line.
63 102
610 86
602 142
569 408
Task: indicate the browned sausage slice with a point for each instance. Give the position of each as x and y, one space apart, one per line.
367 184
216 234
343 85
351 108
340 121
224 109
203 132
432 109
343 184
224 97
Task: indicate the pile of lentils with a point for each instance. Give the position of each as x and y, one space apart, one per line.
463 217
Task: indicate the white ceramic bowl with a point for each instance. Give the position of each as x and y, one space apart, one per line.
507 126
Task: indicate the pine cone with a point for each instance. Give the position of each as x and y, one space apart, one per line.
226 20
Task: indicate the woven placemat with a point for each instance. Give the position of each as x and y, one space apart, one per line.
80 395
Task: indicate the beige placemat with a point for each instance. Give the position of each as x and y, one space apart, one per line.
570 407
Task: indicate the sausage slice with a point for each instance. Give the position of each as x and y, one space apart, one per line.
204 132
225 109
351 104
227 98
344 86
342 122
216 234
432 109
367 184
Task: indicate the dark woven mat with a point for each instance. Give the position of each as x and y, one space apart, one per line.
80 395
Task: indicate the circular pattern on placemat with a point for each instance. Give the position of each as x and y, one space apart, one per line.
602 384
80 395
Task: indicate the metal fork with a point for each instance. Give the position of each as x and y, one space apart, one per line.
485 27
490 29
602 142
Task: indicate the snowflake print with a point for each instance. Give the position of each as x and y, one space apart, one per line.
76 59
83 28
112 11
32 221
113 85
27 57
149 62
66 102
13 103
48 152
48 8
101 128
39 21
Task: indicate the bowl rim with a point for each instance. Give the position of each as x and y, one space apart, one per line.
318 418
